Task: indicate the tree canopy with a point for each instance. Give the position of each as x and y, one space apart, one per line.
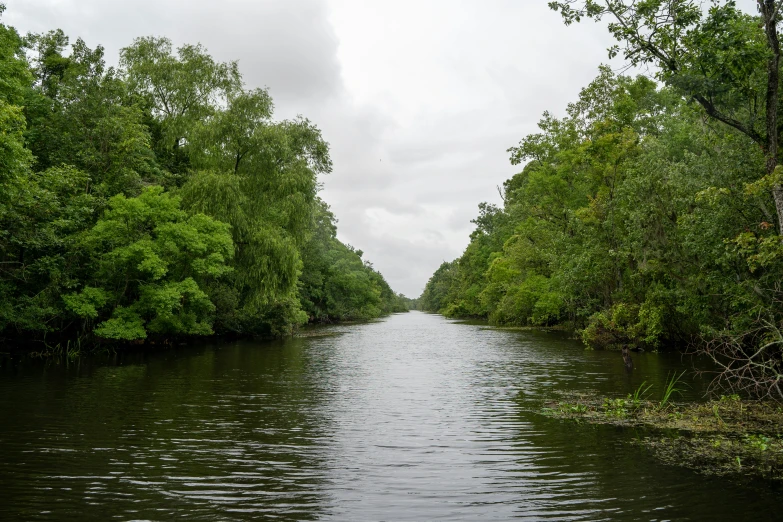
637 219
160 199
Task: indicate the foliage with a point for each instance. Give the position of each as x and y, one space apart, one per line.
639 395
80 114
715 437
723 59
147 257
336 285
161 199
670 390
179 90
39 242
639 217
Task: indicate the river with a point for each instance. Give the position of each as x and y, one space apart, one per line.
414 417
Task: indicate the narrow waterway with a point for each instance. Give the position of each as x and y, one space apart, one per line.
415 417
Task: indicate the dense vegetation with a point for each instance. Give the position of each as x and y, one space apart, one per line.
161 199
650 212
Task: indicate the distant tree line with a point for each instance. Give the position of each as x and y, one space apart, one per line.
650 213
161 198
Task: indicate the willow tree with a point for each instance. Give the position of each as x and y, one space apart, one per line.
180 89
725 60
235 163
260 176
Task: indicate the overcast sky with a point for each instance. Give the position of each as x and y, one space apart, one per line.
419 100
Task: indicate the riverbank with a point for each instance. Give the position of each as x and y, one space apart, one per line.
730 436
76 347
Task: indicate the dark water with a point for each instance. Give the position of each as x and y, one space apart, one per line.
412 418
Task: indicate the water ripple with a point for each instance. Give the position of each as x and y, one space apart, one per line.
412 418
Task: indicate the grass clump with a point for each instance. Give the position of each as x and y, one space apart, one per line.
670 390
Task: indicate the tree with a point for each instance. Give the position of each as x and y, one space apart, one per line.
82 116
39 245
91 241
15 83
49 62
260 176
230 137
436 292
726 61
335 284
148 261
180 90
15 76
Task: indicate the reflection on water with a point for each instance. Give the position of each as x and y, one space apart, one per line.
415 417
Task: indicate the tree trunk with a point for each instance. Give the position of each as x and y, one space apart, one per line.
777 193
768 9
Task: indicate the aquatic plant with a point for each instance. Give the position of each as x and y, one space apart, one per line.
640 394
615 408
670 390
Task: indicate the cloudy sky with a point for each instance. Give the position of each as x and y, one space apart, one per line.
418 99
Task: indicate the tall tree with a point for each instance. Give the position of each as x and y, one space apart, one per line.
180 89
260 176
725 60
84 117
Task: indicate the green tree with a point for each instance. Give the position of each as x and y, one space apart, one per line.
39 244
335 283
260 176
83 116
149 260
91 242
726 61
181 91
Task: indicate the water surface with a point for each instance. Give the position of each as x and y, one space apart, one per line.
415 417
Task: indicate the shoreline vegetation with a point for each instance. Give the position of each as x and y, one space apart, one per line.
160 201
71 349
648 213
729 436
75 348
